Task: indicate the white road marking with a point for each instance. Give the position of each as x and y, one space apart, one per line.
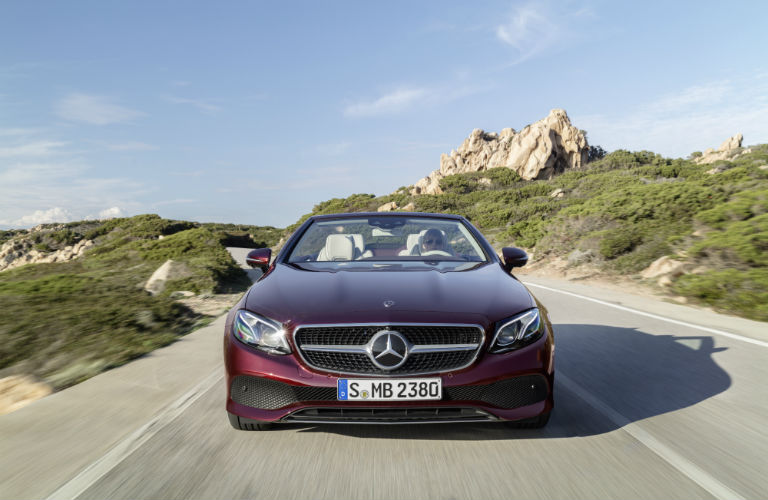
98 469
683 465
654 316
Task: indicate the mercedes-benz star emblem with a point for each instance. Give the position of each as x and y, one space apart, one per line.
388 349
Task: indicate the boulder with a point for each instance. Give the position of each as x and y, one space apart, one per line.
557 193
728 150
387 207
663 266
664 281
539 151
717 169
167 271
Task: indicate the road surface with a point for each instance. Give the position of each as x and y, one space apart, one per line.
653 400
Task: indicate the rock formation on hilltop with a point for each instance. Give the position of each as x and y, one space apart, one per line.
539 151
728 150
20 251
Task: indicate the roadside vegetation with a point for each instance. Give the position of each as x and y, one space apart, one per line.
621 213
64 322
67 321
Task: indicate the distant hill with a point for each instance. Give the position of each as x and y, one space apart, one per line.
620 214
66 320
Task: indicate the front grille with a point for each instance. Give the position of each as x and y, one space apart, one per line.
417 335
388 415
507 394
267 394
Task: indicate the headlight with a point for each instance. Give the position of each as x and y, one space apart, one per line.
517 332
260 332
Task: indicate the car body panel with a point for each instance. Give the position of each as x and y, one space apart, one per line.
302 297
482 296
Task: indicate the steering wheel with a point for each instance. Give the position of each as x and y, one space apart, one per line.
436 252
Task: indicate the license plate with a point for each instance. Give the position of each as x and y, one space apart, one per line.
408 389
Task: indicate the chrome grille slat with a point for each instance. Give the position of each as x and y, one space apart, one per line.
434 348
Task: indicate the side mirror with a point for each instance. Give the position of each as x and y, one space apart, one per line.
513 257
259 258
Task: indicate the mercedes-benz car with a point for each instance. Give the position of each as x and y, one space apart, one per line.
388 318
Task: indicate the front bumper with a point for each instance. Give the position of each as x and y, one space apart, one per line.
510 386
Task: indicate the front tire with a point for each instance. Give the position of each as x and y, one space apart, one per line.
246 424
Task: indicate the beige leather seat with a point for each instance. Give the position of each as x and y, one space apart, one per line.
412 244
337 247
360 251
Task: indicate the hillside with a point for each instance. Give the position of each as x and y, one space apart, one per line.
618 215
685 227
65 321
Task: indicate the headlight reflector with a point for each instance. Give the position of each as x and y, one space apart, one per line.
517 332
260 332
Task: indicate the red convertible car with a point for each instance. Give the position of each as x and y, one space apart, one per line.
388 318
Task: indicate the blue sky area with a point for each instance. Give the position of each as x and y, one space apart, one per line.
252 112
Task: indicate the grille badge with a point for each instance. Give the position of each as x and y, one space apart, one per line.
388 349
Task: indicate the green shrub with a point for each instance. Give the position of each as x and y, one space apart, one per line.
614 242
43 247
730 290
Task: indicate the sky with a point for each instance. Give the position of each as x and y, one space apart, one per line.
253 112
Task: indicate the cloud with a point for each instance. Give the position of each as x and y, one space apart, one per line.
12 132
25 187
692 119
111 213
529 31
27 174
131 146
198 103
94 110
405 99
390 103
536 27
55 214
37 148
175 201
43 180
696 95
334 149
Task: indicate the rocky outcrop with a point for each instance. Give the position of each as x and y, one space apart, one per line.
728 150
18 391
387 207
664 268
663 265
169 270
19 252
539 151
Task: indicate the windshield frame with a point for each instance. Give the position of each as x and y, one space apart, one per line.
488 253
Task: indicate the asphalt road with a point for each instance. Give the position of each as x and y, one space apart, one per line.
653 400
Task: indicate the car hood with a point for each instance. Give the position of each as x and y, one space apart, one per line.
481 296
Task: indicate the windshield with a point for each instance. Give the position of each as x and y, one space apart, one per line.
406 243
